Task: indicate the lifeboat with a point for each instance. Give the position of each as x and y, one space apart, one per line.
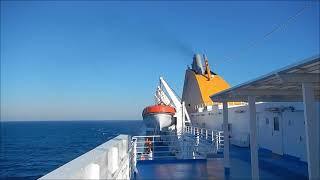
158 116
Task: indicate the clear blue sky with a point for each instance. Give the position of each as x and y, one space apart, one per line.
102 60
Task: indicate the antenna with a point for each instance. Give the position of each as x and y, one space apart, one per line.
207 67
283 25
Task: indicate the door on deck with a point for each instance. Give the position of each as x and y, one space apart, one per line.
294 134
277 140
265 130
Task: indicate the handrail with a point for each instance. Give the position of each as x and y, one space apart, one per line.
194 143
212 104
216 136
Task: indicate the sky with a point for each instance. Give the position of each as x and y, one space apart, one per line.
79 60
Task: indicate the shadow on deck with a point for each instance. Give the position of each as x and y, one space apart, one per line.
271 167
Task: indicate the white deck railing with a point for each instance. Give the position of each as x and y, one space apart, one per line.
213 136
193 143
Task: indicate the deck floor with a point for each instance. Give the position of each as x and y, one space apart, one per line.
271 167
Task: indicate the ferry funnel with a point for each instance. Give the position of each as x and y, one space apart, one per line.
197 64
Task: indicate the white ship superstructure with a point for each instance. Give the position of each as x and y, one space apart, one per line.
280 126
280 110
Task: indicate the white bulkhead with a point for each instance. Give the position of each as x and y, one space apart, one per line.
280 126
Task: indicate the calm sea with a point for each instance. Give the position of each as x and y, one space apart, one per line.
29 150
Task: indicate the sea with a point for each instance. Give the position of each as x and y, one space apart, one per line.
30 150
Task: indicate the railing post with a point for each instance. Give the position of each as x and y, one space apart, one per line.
151 150
197 136
206 134
134 152
217 140
212 138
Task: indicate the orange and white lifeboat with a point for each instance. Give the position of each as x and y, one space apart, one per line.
158 116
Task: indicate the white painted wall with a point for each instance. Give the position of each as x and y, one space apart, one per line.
289 140
239 120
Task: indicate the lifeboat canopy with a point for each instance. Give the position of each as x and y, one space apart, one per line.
159 109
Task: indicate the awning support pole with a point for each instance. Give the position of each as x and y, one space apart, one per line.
226 139
253 139
312 130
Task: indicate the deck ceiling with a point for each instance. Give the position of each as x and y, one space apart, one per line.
283 85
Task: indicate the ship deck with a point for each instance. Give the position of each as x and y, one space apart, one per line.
272 166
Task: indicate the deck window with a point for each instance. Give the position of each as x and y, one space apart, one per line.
276 123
